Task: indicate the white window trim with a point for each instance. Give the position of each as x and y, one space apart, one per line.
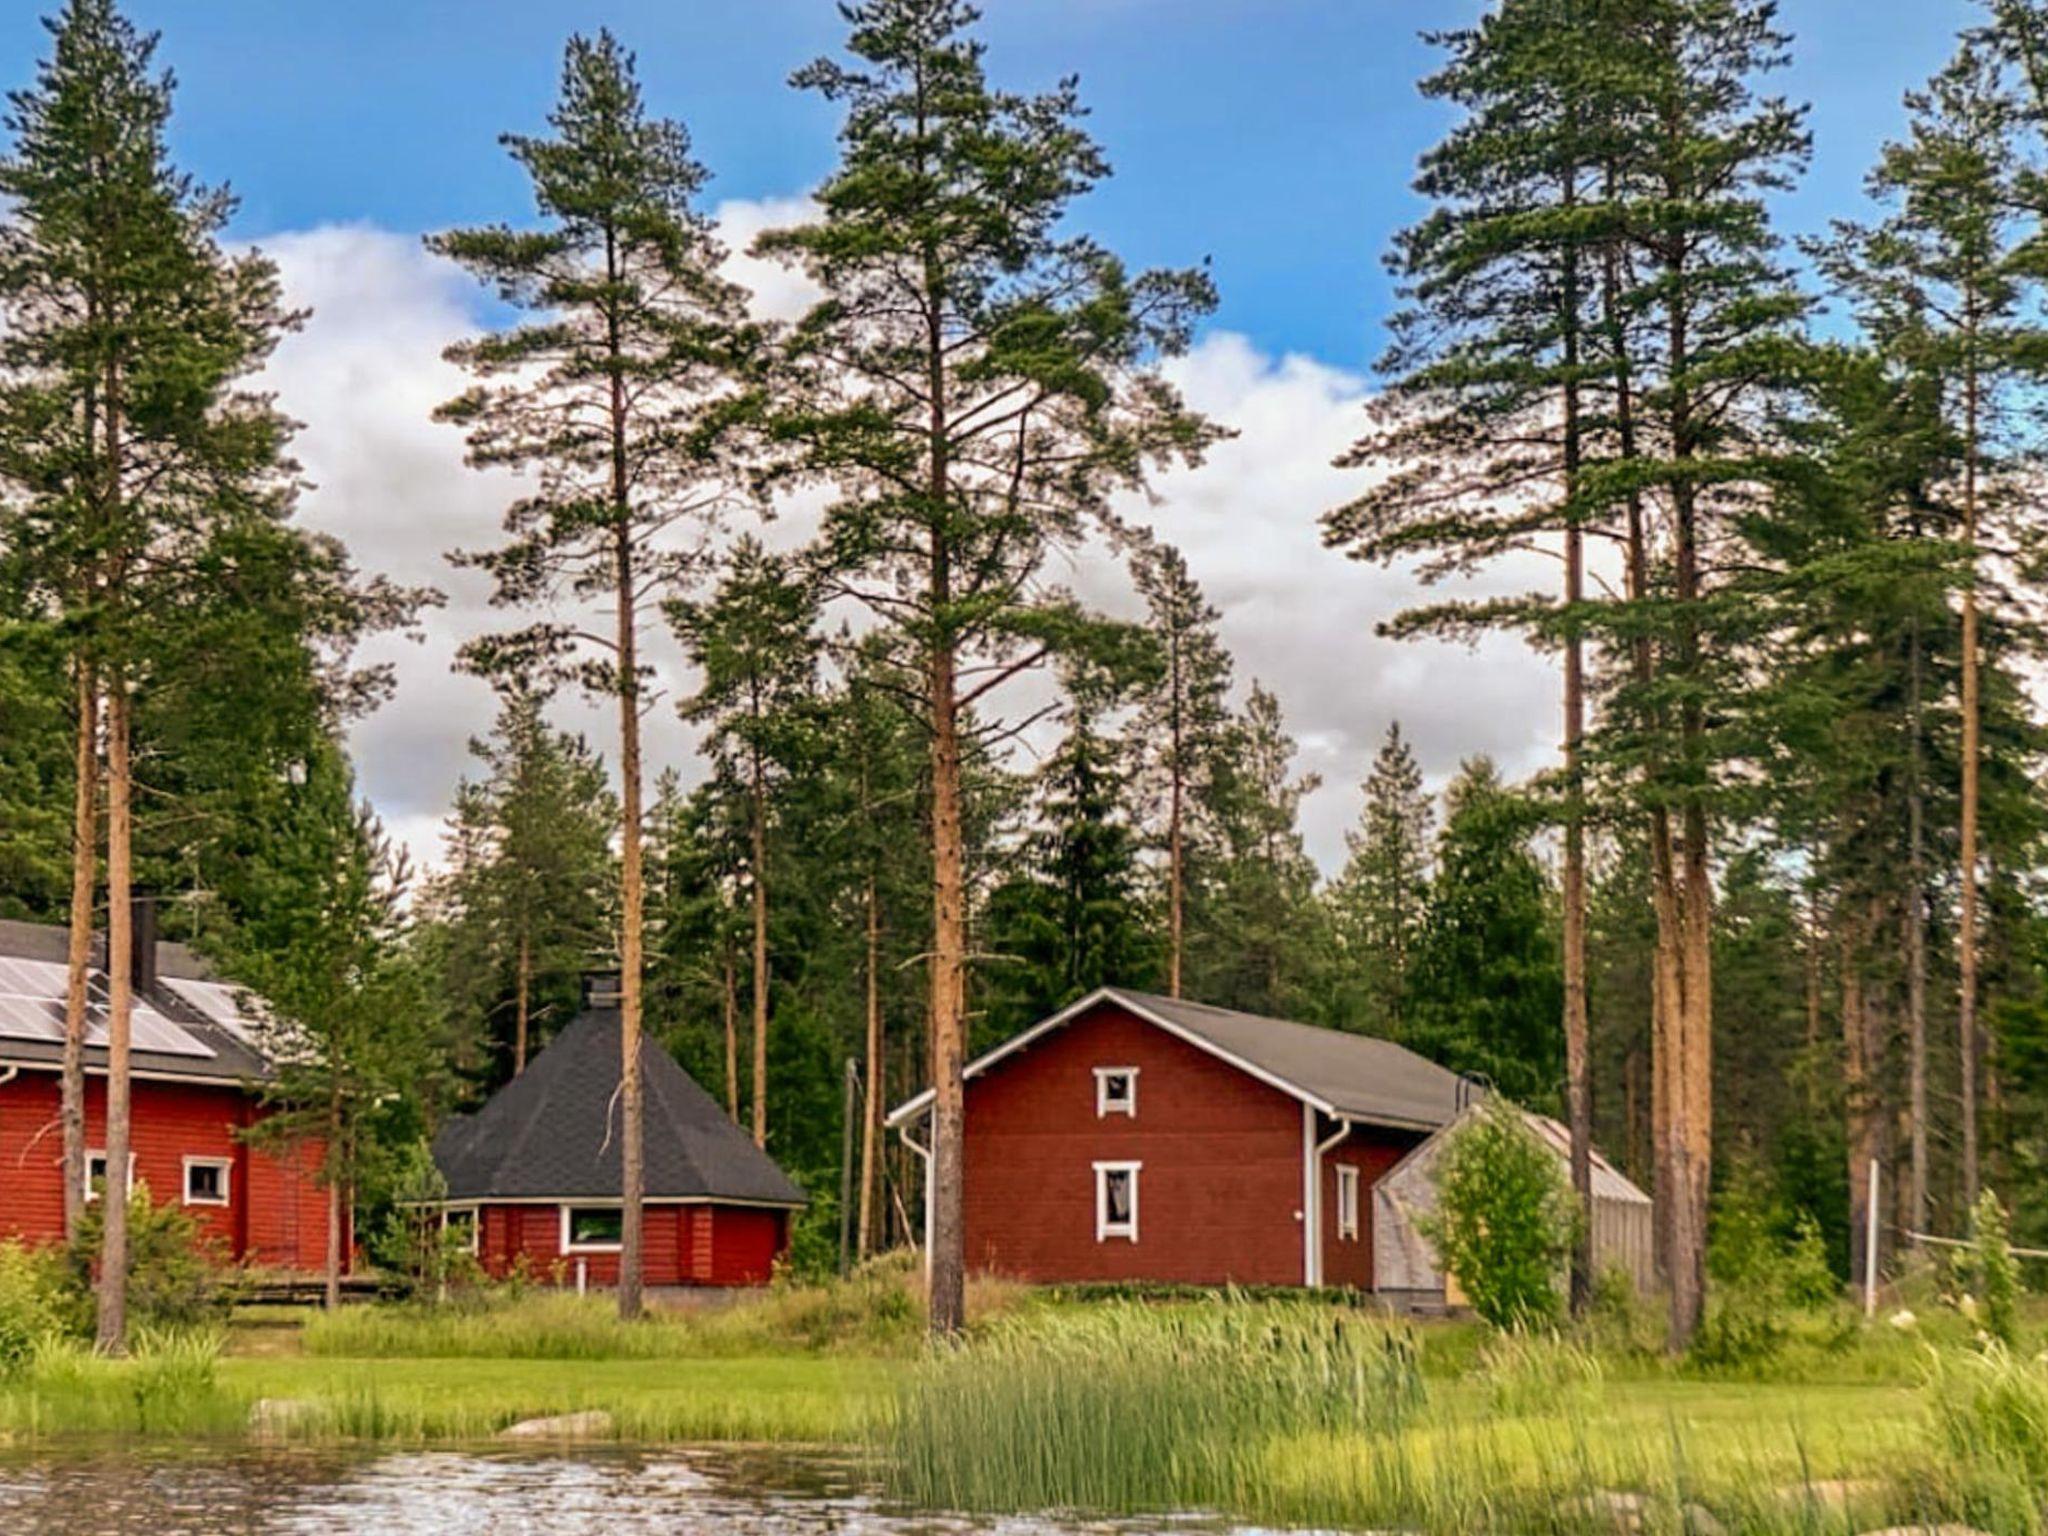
1347 1203
476 1222
226 1165
1106 1106
1105 1229
101 1154
586 1205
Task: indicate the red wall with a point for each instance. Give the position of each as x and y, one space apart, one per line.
277 1215
1219 1194
1372 1150
683 1245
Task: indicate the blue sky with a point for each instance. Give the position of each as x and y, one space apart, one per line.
1274 137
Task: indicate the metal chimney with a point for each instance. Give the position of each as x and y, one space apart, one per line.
142 942
601 989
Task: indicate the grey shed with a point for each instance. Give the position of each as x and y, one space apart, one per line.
1405 1266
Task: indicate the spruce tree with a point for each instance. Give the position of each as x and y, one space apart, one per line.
615 395
977 383
1377 900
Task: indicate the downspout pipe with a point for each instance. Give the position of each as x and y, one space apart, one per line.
1313 1192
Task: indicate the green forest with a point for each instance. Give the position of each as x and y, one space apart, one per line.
1776 913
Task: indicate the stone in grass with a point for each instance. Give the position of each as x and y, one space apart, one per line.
1631 1513
591 1424
274 1418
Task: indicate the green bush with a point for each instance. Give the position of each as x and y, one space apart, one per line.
1993 1273
34 1303
177 1277
1768 1272
1504 1219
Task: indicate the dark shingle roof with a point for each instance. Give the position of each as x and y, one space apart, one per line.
553 1131
1357 1077
190 1008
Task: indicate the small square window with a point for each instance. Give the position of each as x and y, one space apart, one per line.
1116 1201
1347 1202
463 1222
592 1228
206 1180
1116 1091
96 1174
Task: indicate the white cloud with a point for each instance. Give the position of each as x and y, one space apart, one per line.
366 374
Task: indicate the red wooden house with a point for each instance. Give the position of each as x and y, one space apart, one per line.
197 1077
1133 1137
534 1175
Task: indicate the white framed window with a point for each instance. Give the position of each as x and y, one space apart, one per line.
1116 1201
592 1228
1347 1203
208 1180
96 1174
466 1221
1116 1091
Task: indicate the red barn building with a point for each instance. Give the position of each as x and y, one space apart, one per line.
535 1174
1133 1137
197 1077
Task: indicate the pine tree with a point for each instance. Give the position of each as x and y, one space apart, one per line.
1180 721
977 383
127 332
616 396
1377 901
756 644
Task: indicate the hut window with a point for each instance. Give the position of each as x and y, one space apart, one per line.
592 1228
206 1180
1116 1091
1347 1202
1116 1201
463 1222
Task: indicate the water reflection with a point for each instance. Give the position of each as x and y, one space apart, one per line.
457 1493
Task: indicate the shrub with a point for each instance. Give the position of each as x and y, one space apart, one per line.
412 1240
1504 1219
1767 1272
177 1277
34 1305
1994 1273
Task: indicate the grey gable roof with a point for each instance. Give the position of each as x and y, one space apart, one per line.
552 1132
1355 1077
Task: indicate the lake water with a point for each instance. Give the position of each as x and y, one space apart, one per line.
717 1492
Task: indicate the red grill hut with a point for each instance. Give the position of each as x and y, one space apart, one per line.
534 1175
198 1073
1133 1137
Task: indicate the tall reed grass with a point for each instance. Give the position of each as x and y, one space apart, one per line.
1125 1407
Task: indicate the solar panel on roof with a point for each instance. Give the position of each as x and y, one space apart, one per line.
221 1002
32 996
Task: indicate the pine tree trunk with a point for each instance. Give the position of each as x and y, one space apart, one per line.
948 1010
632 891
1578 1070
523 1005
1966 931
78 953
113 1282
1176 786
336 1162
871 1109
758 831
1915 918
730 997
